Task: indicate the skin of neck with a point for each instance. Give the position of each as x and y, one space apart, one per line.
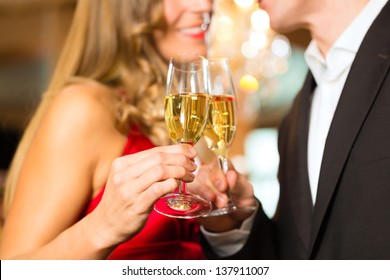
331 19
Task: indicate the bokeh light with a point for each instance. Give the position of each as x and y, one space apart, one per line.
226 24
260 20
281 46
248 84
248 50
258 39
244 3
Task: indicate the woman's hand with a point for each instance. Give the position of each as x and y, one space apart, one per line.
135 183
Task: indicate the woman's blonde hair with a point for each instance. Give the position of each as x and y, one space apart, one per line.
111 42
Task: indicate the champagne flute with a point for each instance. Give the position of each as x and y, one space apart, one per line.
222 122
186 110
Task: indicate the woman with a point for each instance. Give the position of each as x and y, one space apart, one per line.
73 192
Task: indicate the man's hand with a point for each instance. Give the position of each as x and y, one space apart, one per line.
212 183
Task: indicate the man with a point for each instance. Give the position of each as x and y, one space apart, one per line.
334 144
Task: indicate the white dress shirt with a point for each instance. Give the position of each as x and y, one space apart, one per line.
330 74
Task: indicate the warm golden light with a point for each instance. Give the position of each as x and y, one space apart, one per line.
260 20
248 84
258 39
226 24
244 3
248 50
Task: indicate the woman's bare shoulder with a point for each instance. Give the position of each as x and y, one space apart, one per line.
87 100
81 115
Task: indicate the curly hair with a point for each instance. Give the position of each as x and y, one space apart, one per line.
111 42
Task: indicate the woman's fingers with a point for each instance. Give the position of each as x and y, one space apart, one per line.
158 154
153 168
158 190
150 180
135 175
137 181
137 164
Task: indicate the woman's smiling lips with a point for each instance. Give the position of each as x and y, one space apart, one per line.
197 32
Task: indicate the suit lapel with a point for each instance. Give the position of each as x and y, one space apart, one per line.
360 91
300 196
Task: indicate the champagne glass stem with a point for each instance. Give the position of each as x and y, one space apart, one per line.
230 207
182 187
224 166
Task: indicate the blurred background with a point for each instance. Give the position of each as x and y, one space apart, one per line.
268 70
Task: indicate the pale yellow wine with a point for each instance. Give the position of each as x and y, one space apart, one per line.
221 125
186 116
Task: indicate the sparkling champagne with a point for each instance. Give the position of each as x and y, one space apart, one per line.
186 116
221 124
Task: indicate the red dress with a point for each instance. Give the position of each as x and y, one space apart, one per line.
162 238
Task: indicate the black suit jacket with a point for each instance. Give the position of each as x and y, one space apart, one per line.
351 216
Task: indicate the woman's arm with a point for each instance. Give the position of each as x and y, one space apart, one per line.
67 160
